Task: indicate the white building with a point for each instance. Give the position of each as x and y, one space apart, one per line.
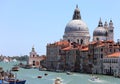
111 64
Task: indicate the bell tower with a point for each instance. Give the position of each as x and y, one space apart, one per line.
110 31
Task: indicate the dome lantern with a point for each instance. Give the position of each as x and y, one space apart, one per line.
76 14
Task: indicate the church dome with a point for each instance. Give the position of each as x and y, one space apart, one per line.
76 25
76 30
100 30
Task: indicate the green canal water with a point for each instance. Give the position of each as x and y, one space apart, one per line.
77 78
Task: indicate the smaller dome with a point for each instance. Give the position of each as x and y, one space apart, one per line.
100 31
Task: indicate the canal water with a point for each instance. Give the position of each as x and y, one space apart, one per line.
76 78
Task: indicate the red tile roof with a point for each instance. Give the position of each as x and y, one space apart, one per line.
101 45
60 43
114 55
67 48
70 48
84 49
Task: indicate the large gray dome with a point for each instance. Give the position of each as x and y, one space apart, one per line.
76 25
100 31
76 30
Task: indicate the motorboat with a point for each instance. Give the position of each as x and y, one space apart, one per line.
69 73
58 80
39 77
94 78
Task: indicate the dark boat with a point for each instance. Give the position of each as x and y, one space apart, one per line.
39 77
15 68
45 74
13 81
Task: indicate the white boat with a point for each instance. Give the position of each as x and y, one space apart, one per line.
58 80
69 73
94 78
14 60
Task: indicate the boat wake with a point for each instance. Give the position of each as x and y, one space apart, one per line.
100 81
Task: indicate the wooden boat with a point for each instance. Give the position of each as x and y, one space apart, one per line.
15 68
39 77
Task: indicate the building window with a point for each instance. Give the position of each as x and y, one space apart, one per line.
101 49
114 50
110 50
68 40
101 55
33 63
77 40
97 39
81 41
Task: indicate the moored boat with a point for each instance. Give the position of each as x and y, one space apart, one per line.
13 81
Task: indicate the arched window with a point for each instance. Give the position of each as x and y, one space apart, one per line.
97 39
33 63
77 40
81 42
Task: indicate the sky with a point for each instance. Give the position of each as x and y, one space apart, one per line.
28 23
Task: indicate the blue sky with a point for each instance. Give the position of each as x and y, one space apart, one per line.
24 23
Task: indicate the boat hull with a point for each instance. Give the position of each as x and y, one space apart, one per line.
17 82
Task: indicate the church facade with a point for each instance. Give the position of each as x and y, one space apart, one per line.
75 52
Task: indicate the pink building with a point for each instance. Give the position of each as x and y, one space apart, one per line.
34 59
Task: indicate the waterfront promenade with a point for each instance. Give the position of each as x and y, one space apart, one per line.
77 78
